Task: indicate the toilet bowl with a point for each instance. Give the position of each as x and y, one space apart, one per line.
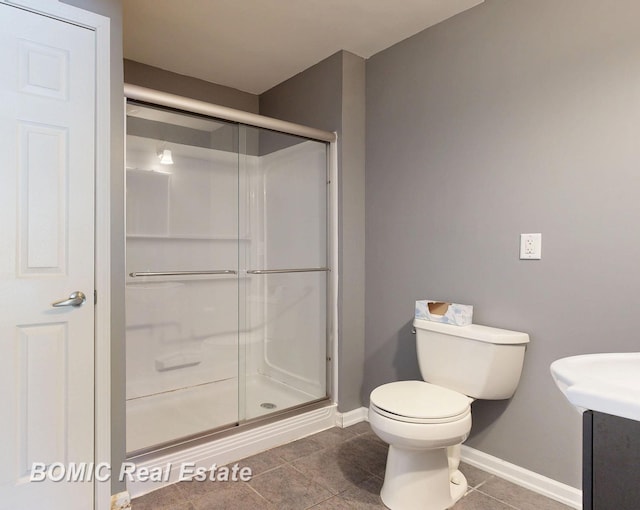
425 422
421 422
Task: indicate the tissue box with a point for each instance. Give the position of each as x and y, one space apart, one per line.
447 313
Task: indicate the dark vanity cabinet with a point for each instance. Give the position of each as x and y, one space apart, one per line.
611 462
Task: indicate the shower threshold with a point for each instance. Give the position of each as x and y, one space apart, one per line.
170 417
232 445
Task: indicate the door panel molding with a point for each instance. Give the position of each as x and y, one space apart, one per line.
42 395
42 166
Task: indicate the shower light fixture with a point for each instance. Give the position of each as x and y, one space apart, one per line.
165 157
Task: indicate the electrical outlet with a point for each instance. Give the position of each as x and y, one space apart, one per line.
530 246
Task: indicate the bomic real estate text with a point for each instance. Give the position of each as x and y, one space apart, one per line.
129 471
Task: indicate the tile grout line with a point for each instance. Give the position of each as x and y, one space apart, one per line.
482 483
320 502
499 500
304 475
325 449
260 495
317 483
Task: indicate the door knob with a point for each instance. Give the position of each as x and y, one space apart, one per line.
75 299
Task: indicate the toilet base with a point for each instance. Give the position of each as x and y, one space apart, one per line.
420 480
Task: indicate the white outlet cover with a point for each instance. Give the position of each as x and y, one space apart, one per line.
531 246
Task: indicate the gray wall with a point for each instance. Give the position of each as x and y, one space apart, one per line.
330 96
515 116
113 10
144 75
312 97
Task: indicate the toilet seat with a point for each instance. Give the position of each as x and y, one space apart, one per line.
419 402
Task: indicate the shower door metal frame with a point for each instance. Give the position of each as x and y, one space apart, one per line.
188 105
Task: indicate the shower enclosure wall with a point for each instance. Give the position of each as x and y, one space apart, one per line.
226 293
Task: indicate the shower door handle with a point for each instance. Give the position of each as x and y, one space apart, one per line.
183 273
294 270
76 298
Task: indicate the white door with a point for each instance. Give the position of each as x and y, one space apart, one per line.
47 115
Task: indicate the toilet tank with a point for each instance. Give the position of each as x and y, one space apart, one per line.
478 361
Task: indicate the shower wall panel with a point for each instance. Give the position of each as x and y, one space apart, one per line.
288 311
181 331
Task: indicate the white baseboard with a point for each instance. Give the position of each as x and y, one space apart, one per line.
351 417
535 482
234 448
244 444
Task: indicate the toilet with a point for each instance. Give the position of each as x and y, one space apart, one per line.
425 422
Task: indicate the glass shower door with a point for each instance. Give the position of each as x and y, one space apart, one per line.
284 274
182 284
226 290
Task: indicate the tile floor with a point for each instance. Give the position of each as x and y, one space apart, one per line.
335 469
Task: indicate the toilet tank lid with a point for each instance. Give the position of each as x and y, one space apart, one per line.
474 332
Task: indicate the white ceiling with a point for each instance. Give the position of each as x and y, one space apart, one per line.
253 45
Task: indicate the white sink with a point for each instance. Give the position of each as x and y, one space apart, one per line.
609 383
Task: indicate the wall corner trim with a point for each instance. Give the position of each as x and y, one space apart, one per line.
535 482
351 417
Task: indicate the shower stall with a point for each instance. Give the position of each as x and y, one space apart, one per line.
228 277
